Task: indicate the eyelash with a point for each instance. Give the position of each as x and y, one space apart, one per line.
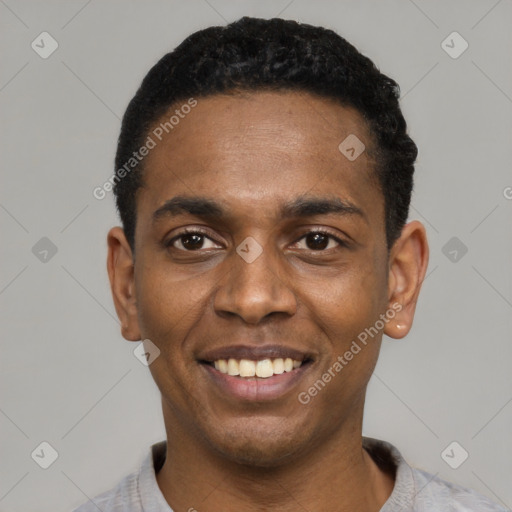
198 231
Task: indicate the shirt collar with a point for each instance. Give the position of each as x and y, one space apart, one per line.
151 496
387 457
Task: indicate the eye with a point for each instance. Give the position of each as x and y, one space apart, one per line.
191 240
320 241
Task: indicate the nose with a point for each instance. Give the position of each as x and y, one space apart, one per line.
255 290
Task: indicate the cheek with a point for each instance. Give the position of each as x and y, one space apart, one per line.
346 303
169 305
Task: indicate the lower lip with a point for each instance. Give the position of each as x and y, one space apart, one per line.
256 389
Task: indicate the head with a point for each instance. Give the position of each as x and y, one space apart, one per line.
266 218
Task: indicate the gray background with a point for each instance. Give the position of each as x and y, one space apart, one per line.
67 375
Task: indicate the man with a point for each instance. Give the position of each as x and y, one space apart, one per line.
263 179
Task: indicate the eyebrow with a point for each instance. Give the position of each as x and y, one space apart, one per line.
211 210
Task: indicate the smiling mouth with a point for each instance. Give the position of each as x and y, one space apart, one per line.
263 368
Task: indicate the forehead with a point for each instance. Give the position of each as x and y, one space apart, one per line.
259 149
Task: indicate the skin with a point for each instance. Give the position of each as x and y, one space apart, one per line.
252 153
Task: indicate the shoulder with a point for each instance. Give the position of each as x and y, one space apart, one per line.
433 492
124 497
416 490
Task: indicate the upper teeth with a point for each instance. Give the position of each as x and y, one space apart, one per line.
264 368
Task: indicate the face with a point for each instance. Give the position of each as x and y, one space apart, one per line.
257 239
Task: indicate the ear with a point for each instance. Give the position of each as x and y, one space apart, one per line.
407 267
122 283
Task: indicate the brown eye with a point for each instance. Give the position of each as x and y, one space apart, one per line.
190 241
319 241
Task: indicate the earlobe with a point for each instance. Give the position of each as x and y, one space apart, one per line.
407 267
122 283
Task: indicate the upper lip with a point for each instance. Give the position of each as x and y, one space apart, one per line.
254 353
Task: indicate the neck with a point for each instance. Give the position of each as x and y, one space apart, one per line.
338 475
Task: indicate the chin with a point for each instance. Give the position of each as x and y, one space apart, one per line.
259 447
250 454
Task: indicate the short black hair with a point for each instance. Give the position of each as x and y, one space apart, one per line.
255 54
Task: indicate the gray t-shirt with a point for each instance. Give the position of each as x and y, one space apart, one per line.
414 490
